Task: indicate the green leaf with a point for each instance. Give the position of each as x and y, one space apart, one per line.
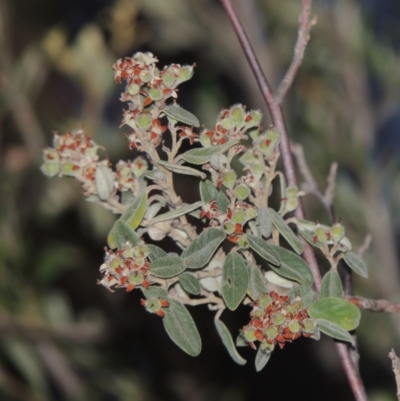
181 328
228 342
178 212
182 115
156 252
334 330
203 155
265 222
167 266
201 249
257 284
124 233
240 341
155 292
356 264
285 230
209 192
305 292
331 285
264 249
190 283
177 168
235 280
293 267
133 216
336 310
261 359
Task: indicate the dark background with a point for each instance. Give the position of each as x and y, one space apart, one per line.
65 338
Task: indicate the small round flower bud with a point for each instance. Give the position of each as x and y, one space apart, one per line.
242 192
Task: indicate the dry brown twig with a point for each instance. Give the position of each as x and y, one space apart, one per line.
396 370
303 37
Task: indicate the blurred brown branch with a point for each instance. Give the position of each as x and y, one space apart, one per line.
374 305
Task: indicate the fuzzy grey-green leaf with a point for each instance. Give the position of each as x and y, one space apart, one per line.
178 212
336 310
180 327
257 284
190 283
155 292
177 168
201 249
124 233
235 280
156 252
228 342
261 359
182 115
203 155
209 192
334 330
356 264
167 266
292 267
266 250
285 230
331 285
265 222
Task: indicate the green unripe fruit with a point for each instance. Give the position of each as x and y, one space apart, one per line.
153 305
271 332
133 89
229 227
145 76
320 235
264 300
185 73
267 347
242 242
141 251
253 118
168 78
205 140
291 204
337 232
143 121
294 326
242 192
251 213
136 278
155 94
309 325
50 169
292 192
237 114
228 178
68 168
278 318
115 263
249 334
239 217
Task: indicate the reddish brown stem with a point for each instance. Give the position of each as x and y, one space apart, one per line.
374 305
278 120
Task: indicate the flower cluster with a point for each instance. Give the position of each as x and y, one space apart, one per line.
128 268
275 319
127 174
146 92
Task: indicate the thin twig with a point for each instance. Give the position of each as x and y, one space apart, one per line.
365 246
279 122
374 305
303 37
396 370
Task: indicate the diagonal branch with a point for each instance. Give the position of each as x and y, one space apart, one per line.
303 37
275 110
